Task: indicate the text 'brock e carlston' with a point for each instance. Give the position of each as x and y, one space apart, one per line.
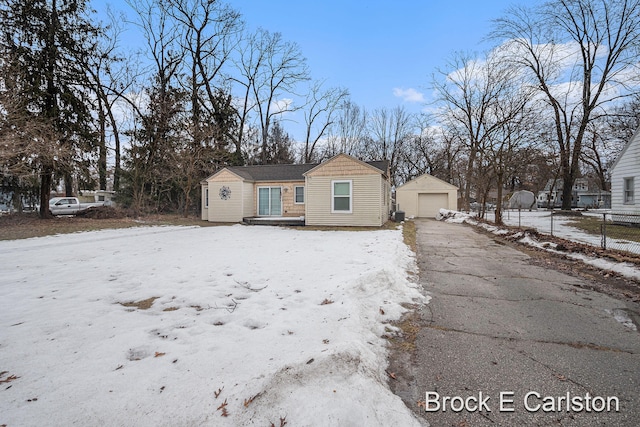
531 402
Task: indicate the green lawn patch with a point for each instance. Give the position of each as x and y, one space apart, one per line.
592 225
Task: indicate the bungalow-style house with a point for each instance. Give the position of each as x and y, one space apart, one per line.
625 178
340 191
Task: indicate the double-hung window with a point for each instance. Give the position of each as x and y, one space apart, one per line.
628 191
341 196
298 194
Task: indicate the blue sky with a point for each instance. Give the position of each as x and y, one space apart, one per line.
383 52
374 47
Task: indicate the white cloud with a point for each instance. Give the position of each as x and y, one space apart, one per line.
408 95
282 105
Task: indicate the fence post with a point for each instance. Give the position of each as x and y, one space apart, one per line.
603 229
551 223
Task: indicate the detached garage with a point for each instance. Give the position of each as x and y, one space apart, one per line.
425 195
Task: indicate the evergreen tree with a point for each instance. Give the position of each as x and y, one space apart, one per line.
151 162
279 144
47 118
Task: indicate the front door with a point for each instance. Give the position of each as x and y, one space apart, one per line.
269 201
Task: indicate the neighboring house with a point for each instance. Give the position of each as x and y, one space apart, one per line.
424 196
339 191
625 178
581 195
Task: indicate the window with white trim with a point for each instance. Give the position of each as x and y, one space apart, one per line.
206 197
341 196
298 195
628 191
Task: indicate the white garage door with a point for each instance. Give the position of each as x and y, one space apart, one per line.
430 203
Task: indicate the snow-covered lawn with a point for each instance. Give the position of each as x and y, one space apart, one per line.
249 326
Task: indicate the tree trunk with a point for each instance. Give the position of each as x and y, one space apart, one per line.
17 200
45 191
498 213
68 184
102 148
468 176
567 189
116 136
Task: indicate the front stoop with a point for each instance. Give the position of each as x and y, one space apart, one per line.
256 220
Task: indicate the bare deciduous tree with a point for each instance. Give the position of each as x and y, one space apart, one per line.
468 94
210 33
269 70
594 43
319 114
348 132
389 132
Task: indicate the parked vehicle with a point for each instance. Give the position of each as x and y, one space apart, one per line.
71 205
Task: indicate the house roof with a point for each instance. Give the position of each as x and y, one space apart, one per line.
428 177
283 172
383 165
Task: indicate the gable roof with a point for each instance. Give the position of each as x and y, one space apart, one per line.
381 166
426 176
635 136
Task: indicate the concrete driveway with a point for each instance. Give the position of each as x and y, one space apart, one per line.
506 342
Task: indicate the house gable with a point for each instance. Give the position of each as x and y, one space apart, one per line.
427 182
343 164
224 175
634 140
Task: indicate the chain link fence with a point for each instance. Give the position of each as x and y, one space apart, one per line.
610 230
620 231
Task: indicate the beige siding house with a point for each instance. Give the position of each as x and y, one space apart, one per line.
625 178
424 196
340 191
